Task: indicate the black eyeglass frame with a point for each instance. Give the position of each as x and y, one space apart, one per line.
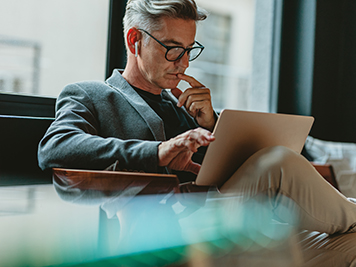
201 47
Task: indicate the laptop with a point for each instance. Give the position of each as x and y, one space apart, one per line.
239 134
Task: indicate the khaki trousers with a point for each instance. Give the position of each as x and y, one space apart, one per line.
292 184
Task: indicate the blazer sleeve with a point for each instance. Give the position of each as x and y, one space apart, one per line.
73 140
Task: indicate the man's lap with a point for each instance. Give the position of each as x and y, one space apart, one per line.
321 249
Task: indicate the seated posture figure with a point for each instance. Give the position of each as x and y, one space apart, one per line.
132 119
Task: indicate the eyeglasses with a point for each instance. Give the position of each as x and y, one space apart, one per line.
174 53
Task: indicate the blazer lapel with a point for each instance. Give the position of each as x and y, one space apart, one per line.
154 122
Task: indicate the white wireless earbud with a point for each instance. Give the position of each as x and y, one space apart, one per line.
136 49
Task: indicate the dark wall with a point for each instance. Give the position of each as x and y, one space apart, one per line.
334 94
116 53
318 65
19 138
296 57
23 122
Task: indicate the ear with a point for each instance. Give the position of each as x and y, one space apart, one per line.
133 36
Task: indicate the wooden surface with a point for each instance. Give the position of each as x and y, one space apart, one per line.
116 180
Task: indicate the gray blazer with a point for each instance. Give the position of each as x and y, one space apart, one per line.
98 123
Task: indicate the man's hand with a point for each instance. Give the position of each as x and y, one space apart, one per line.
177 152
197 101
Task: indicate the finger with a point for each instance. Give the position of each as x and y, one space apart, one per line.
185 143
196 93
194 109
192 81
203 132
197 106
176 92
204 97
191 142
200 136
193 167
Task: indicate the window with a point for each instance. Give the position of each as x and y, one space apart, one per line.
46 44
212 66
236 62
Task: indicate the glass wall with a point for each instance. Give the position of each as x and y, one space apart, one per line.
236 63
226 63
46 44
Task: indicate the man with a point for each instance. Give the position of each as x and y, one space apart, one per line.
133 119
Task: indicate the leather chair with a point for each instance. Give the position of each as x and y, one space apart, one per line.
19 138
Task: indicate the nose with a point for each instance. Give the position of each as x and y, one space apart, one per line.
183 61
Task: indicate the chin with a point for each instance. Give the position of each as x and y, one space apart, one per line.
171 84
169 81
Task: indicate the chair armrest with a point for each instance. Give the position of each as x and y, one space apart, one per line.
110 181
327 171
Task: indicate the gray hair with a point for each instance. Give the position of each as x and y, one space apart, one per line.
147 14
